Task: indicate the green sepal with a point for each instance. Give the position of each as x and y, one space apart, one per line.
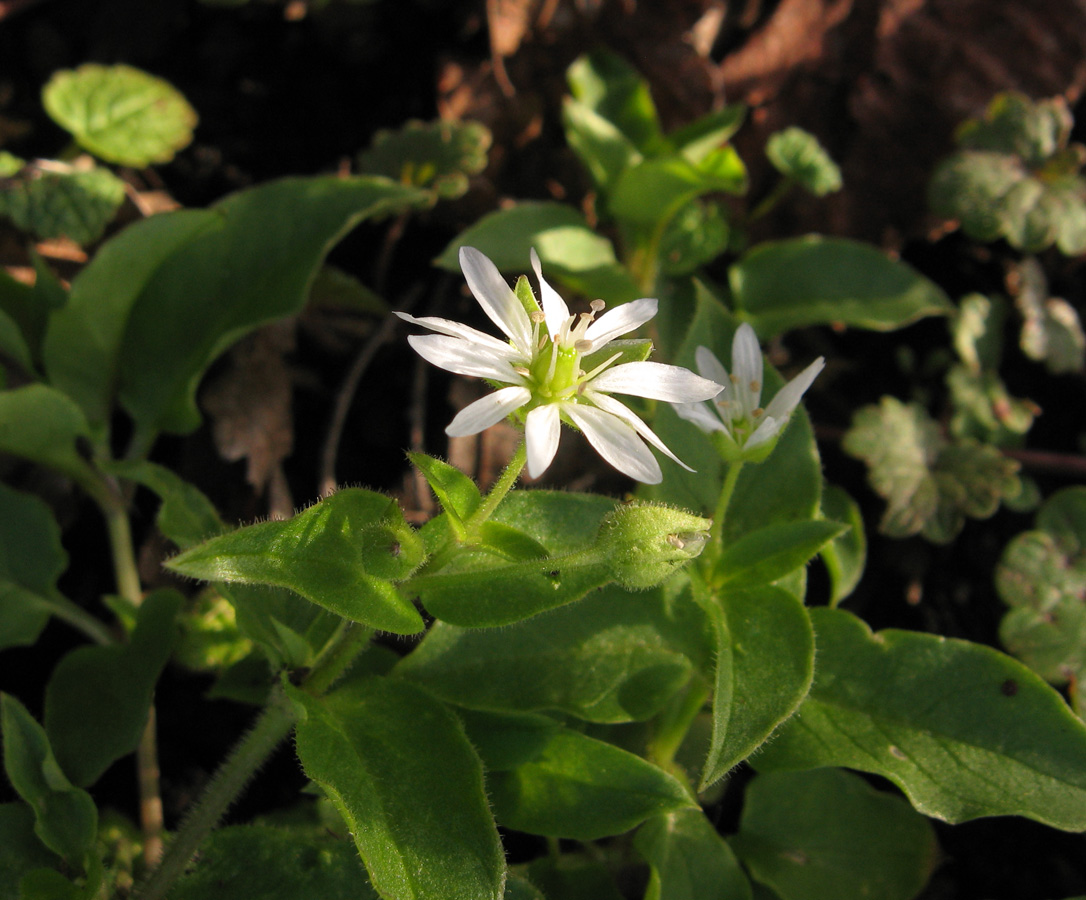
458 495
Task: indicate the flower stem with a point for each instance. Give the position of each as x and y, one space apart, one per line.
501 487
675 723
721 512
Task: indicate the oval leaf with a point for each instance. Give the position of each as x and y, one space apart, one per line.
398 767
120 114
962 729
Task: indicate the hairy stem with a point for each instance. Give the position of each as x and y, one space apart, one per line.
501 487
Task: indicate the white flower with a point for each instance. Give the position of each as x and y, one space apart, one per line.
743 424
541 362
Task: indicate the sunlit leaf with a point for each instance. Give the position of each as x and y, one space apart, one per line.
797 154
120 113
963 730
608 85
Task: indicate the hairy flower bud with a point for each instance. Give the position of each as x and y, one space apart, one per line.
643 543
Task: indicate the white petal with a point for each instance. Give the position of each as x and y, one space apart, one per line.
700 414
457 329
496 297
656 381
781 406
542 430
554 307
709 366
765 432
746 370
463 357
616 442
620 320
611 405
487 411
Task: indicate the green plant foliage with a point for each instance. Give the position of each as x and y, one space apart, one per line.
288 628
764 666
582 788
846 555
816 280
41 424
30 306
20 850
826 834
1016 176
573 876
456 493
245 861
170 293
799 156
438 156
343 554
688 859
31 560
930 483
120 114
613 657
608 86
577 257
962 729
59 200
186 516
1052 331
770 553
1042 577
97 699
65 817
409 786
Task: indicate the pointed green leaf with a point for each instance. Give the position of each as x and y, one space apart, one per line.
342 553
582 788
826 834
42 425
769 553
20 849
288 628
12 343
186 516
398 767
654 190
605 151
98 698
816 280
607 84
120 113
616 656
688 859
764 668
65 817
962 729
31 560
457 494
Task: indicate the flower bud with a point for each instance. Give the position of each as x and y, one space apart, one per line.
643 543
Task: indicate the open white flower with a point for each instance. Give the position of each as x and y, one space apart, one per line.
747 430
543 362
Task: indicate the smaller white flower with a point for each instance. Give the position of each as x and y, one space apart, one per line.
540 362
747 431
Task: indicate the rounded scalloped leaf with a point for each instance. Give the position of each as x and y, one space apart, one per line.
121 114
797 154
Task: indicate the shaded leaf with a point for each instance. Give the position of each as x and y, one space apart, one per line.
573 876
186 516
962 729
826 834
846 555
289 628
813 280
342 553
97 699
65 817
20 849
688 859
409 786
42 425
764 666
770 553
120 113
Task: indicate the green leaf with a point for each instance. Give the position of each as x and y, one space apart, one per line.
931 485
962 729
42 425
1042 577
507 740
29 307
65 817
97 699
701 137
698 233
826 834
844 556
606 84
290 629
1015 124
581 788
120 114
62 201
573 876
798 155
614 657
605 151
457 494
20 850
186 516
342 554
1051 329
688 859
31 560
780 285
241 862
769 553
570 251
764 666
409 786
13 345
436 156
653 191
